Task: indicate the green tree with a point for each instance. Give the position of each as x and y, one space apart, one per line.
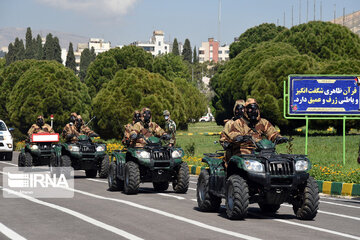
10 56
175 48
131 89
39 51
195 58
57 50
70 58
171 67
85 60
29 50
186 53
262 33
49 48
106 64
47 88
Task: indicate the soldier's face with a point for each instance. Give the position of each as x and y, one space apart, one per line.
137 117
166 117
239 111
72 119
147 116
40 122
252 111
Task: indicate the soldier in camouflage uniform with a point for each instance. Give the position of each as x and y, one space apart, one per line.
252 125
128 127
70 133
40 127
170 127
145 129
82 129
238 111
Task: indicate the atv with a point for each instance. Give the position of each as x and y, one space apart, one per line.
264 177
39 150
153 163
85 155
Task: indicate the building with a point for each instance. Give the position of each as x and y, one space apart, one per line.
212 51
351 21
156 45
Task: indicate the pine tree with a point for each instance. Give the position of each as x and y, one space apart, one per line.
57 50
92 54
86 58
10 56
39 51
70 58
19 49
29 50
195 58
186 53
49 48
175 48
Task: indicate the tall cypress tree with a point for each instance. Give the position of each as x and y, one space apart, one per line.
57 50
39 51
86 58
175 48
187 53
92 54
70 58
49 48
29 50
195 58
19 49
10 56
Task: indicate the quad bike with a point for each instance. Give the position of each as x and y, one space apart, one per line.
264 177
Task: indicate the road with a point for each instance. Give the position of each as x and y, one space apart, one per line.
96 213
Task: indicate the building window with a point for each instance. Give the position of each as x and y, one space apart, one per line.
159 52
227 51
165 47
220 52
159 43
201 51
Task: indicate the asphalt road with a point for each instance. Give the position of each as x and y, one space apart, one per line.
96 213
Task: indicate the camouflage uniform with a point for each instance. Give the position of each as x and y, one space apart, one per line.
70 130
224 136
152 129
35 128
261 128
170 127
128 127
83 129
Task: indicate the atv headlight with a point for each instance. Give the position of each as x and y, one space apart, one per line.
301 165
255 166
74 148
100 148
143 154
176 154
34 147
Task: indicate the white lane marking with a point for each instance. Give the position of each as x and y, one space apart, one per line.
310 227
12 164
169 195
10 233
170 215
96 180
193 182
330 213
339 204
195 200
194 189
76 214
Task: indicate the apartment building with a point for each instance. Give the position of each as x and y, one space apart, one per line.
212 51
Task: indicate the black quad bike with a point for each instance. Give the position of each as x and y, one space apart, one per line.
40 150
264 177
84 155
153 163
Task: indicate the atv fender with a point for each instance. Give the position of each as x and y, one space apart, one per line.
120 159
217 177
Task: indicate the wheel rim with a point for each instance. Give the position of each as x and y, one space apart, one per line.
202 191
230 197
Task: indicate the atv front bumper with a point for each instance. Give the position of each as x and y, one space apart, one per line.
278 181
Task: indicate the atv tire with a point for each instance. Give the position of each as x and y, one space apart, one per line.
21 160
132 178
65 163
91 173
207 202
237 197
104 168
28 160
115 184
160 186
181 183
306 203
269 208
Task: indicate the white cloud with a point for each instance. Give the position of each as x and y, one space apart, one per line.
112 7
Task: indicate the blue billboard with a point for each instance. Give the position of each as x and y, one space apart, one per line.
324 95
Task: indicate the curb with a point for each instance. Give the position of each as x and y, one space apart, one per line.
326 187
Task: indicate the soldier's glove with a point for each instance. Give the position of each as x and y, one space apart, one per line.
242 138
166 137
133 136
70 136
280 140
94 135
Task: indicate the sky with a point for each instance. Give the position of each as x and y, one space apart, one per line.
124 21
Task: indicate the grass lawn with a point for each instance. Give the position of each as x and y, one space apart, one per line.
325 152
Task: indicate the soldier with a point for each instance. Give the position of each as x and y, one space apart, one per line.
128 127
238 111
70 132
40 127
252 125
145 129
82 129
170 127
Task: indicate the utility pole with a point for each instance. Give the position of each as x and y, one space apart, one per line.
343 16
292 15
320 10
277 22
334 12
219 22
284 19
314 10
307 10
299 12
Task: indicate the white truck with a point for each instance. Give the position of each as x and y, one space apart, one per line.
6 142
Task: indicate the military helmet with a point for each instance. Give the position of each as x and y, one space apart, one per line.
166 113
